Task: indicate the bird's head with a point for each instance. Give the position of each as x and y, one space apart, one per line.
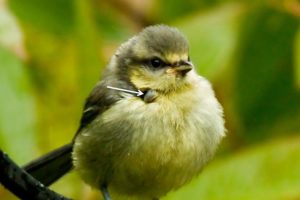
157 58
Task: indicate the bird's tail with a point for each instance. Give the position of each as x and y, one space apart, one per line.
52 166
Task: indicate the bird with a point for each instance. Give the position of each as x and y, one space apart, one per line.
142 146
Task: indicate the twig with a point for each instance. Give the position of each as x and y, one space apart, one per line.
22 184
135 15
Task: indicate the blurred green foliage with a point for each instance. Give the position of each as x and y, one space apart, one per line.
17 114
51 16
267 42
53 52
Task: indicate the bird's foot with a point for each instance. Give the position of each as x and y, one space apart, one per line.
105 192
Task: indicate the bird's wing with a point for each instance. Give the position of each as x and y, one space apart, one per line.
99 100
50 167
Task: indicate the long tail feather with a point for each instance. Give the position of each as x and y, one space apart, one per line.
52 166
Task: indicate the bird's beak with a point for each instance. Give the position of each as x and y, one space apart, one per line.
184 67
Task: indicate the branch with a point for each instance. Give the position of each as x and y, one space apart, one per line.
22 184
136 15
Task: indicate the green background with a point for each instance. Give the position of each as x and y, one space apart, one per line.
52 52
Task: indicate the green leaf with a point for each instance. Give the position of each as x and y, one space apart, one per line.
264 87
267 172
17 116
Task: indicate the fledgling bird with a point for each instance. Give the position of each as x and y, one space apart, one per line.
144 146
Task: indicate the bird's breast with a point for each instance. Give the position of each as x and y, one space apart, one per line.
171 138
148 149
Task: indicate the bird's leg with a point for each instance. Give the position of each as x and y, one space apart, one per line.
105 192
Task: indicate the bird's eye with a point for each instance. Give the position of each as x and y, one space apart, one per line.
156 63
